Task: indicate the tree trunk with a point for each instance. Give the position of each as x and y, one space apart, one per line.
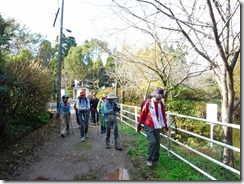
227 117
227 137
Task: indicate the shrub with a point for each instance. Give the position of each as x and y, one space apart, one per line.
27 91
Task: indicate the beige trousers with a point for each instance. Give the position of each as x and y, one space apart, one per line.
64 127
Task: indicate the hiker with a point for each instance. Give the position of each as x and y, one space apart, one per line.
110 109
77 116
63 113
83 107
94 113
153 117
101 113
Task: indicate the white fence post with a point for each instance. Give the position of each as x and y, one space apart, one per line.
121 110
136 119
169 132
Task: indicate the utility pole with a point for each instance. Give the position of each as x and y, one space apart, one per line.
60 57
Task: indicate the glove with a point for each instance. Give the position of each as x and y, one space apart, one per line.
166 129
115 108
138 127
118 109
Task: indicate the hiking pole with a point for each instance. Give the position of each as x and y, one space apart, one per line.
98 123
71 126
58 122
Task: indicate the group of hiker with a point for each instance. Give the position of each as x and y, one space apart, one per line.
152 119
101 110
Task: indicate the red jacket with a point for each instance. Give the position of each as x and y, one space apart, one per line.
146 117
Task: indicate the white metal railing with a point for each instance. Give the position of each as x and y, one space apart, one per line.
129 115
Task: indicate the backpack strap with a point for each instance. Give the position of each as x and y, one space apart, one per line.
144 102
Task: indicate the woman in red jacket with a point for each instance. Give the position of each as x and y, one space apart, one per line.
154 119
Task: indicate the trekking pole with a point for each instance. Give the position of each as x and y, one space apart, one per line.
58 123
71 126
98 126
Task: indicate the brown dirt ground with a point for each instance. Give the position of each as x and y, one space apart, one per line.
44 155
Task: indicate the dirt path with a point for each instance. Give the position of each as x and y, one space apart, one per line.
70 159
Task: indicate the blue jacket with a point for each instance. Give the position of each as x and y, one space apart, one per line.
63 108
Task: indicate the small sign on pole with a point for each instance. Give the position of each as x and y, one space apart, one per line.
212 112
211 115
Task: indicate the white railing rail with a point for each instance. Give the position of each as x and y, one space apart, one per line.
131 114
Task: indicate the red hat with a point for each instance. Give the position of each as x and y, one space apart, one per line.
82 93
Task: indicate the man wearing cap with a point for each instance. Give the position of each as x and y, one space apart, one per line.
153 117
83 108
110 109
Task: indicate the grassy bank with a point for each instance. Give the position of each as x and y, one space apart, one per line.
169 167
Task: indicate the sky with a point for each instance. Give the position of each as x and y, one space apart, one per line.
86 19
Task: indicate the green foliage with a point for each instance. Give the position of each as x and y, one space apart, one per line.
237 82
24 55
74 63
110 63
43 118
5 35
105 91
25 93
45 53
84 63
15 129
67 43
181 106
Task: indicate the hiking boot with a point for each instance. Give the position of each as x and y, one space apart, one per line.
118 147
86 136
83 139
107 145
149 163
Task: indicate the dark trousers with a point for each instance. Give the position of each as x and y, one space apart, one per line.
108 131
94 116
83 120
77 117
153 136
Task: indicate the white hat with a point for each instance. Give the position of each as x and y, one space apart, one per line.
111 96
